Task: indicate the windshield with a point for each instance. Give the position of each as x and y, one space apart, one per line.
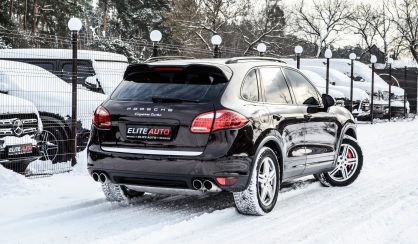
109 74
170 85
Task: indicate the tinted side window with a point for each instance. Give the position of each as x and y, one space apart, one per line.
302 88
84 70
249 90
275 86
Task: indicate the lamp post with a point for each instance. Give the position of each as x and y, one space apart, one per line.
298 52
373 60
390 62
155 37
404 92
74 24
352 57
216 41
328 55
261 48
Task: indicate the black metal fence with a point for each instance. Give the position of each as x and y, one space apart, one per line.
36 94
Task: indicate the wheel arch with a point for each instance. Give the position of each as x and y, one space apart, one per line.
274 142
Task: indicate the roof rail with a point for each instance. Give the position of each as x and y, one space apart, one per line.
237 59
161 58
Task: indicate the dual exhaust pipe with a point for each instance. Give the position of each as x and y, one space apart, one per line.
205 186
99 177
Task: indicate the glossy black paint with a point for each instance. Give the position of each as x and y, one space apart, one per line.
305 138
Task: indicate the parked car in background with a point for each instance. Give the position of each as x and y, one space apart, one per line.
362 80
52 97
20 128
241 125
361 100
320 84
97 71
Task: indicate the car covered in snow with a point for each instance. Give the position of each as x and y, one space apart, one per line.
52 97
339 81
97 71
20 128
243 125
362 80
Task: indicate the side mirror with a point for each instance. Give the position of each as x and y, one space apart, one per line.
328 101
4 88
359 78
311 102
92 82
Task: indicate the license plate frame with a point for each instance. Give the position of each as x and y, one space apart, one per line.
17 150
149 133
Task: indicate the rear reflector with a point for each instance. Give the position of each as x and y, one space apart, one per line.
218 120
226 181
101 118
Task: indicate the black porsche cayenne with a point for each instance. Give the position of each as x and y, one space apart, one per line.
241 125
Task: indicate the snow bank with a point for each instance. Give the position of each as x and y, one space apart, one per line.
13 184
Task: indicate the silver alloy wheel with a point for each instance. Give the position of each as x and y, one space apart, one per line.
49 146
266 181
347 163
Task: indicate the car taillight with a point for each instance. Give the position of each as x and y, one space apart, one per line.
101 118
218 120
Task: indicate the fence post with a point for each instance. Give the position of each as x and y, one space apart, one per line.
352 57
373 60
74 25
404 92
390 88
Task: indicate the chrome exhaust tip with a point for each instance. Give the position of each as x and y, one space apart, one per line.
95 177
197 185
210 186
207 185
102 178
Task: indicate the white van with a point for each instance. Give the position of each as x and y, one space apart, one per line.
97 71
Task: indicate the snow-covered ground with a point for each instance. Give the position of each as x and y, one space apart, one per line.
380 207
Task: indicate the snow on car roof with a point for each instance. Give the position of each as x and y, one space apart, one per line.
60 54
14 105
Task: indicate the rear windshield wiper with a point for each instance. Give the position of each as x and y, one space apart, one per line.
172 100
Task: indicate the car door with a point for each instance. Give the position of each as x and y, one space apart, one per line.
287 119
321 127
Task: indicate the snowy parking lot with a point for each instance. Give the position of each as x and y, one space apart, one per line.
380 207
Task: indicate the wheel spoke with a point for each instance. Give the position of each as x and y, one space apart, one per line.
351 161
335 170
345 151
266 167
272 175
263 193
262 178
344 172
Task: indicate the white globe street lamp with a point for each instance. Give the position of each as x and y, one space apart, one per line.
216 41
328 55
74 24
298 51
261 48
155 36
373 60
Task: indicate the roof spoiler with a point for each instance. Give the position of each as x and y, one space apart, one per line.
238 59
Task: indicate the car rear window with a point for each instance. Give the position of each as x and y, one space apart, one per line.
171 83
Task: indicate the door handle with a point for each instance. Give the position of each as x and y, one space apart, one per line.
277 117
307 117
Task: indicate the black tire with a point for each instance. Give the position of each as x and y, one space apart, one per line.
249 201
119 193
54 135
327 178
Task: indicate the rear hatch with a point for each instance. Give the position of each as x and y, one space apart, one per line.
153 109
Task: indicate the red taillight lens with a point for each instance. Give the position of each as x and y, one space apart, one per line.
226 181
220 119
101 118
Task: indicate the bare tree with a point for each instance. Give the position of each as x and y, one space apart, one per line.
321 22
361 23
404 15
266 25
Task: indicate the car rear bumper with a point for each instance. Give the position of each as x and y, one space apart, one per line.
167 171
